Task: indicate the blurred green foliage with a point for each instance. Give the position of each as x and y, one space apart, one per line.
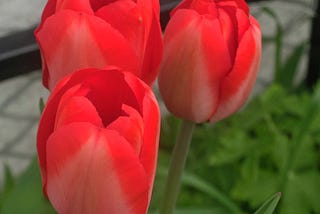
271 146
24 194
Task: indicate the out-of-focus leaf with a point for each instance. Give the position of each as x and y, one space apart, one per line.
27 196
207 188
199 210
289 69
302 193
7 186
278 39
41 104
269 206
255 190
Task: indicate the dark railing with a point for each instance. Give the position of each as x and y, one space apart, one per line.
19 52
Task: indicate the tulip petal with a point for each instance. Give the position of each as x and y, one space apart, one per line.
75 107
151 120
94 172
76 5
194 47
96 4
234 3
138 23
153 52
106 96
48 10
70 41
236 86
129 22
129 126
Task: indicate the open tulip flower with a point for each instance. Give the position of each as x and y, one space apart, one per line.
212 51
97 143
78 34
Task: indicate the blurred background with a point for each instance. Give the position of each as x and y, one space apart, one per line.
272 145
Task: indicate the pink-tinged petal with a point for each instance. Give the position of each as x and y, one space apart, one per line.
243 23
129 22
106 96
130 126
75 107
153 53
156 8
95 172
234 3
70 41
134 93
138 23
194 47
66 87
151 120
149 150
236 87
47 124
229 31
76 5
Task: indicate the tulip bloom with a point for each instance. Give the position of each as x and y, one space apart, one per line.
212 51
97 143
78 34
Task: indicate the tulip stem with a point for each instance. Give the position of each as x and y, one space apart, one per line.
177 163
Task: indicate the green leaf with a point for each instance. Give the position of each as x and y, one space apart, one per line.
278 39
289 69
269 206
26 195
205 187
201 185
8 185
194 210
41 104
302 193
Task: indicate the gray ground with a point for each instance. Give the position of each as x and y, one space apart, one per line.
19 112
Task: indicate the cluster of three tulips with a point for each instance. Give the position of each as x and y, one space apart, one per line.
98 134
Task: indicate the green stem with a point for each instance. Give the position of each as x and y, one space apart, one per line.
177 163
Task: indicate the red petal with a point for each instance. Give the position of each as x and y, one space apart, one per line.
138 23
229 28
236 87
151 119
241 4
195 60
95 171
153 53
70 41
126 17
76 5
75 107
130 126
97 4
48 10
133 92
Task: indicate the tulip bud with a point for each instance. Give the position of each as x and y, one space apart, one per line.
97 143
212 51
78 34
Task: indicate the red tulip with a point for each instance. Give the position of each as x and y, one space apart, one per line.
77 34
97 143
212 51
